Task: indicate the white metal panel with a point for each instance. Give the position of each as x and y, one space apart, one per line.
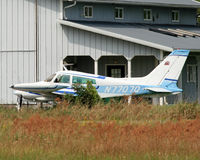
0 23
109 46
54 63
42 39
76 41
15 25
4 78
103 45
9 25
32 25
51 38
4 24
1 76
115 46
15 68
9 77
81 41
93 45
20 24
98 46
17 45
87 43
48 36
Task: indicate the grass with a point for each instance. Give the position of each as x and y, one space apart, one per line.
112 131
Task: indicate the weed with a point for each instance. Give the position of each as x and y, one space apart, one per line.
112 131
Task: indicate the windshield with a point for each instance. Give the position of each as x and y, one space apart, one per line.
50 78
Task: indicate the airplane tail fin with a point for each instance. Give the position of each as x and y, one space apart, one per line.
168 71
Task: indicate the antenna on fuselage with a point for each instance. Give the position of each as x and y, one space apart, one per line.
65 65
65 68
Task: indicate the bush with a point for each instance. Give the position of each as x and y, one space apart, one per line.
87 96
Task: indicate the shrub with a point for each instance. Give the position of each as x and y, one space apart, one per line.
87 96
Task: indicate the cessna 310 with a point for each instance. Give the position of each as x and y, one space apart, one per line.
162 80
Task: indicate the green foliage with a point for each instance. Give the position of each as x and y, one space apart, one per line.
86 95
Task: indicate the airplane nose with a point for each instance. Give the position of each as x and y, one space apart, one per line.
12 86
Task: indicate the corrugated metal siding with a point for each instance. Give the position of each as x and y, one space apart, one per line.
77 42
50 37
17 45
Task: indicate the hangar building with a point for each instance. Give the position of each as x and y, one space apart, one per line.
117 38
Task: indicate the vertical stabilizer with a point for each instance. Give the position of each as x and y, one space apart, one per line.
169 69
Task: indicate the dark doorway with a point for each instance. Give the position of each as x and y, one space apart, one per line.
116 71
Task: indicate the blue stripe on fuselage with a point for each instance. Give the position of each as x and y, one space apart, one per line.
168 79
89 76
65 92
34 93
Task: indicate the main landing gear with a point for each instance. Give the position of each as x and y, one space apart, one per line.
19 102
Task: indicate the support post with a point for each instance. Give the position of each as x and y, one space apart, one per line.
61 9
198 80
161 99
96 67
129 68
180 85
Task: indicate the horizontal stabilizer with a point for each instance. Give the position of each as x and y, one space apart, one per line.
160 90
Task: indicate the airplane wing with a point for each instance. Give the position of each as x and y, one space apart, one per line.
39 87
159 90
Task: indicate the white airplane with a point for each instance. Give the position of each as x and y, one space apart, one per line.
162 80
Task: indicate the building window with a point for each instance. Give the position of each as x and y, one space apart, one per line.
119 13
175 16
147 14
191 73
88 11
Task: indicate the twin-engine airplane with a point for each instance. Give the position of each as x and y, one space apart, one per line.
162 80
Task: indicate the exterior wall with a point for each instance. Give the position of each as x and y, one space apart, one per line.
49 37
82 43
132 14
17 45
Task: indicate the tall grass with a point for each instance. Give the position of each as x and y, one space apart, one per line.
112 131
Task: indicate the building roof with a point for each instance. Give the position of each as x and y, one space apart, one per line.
163 3
141 34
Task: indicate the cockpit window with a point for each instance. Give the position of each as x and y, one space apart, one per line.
50 78
82 80
63 79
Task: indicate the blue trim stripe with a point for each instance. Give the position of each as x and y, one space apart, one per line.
65 92
171 79
88 76
184 53
35 93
